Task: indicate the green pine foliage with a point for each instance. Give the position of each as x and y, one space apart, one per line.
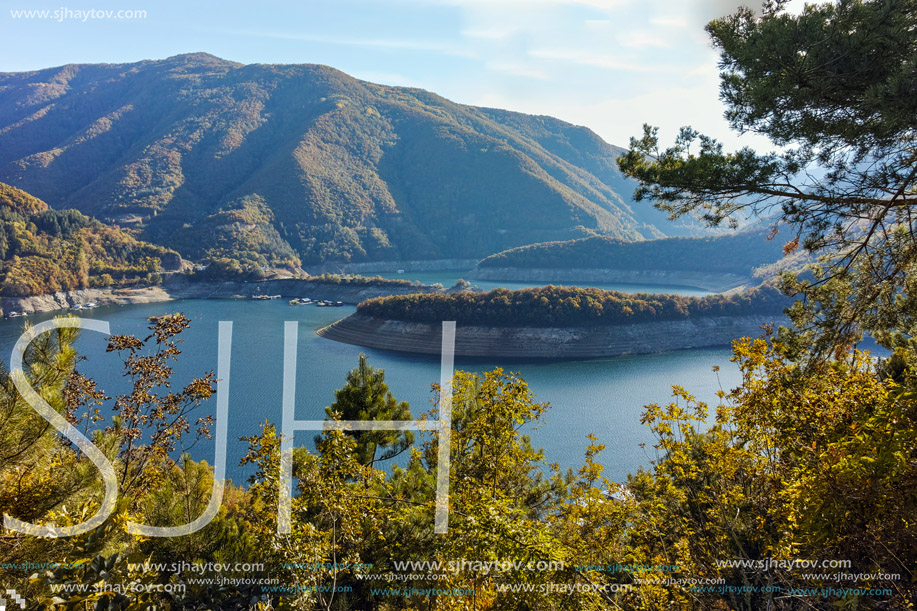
366 396
832 87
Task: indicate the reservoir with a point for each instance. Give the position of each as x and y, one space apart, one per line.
605 397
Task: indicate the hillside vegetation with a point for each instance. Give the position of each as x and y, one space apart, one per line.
739 253
795 489
277 162
44 251
558 306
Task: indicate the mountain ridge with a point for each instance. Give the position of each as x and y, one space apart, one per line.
287 163
736 253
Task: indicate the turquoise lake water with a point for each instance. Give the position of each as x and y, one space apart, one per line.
605 397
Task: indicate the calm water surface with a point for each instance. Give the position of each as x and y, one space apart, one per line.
600 396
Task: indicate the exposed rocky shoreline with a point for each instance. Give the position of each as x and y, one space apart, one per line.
358 329
713 282
572 342
67 299
180 287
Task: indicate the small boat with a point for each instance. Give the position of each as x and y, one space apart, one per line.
400 271
321 304
91 304
15 315
338 303
77 307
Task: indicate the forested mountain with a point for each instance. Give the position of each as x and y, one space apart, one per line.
275 162
739 253
44 250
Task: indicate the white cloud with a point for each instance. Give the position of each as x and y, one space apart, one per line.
670 22
705 70
584 58
535 56
618 119
377 43
517 69
642 40
606 5
491 33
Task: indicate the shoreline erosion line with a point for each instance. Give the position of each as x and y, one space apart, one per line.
547 342
414 337
171 290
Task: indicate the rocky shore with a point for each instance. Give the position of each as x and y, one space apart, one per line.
573 342
67 299
347 292
180 287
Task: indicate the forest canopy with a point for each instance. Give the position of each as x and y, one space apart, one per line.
44 251
559 306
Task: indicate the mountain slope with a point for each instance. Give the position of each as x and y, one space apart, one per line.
739 253
44 251
276 162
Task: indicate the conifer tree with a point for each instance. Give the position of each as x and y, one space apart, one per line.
833 87
366 396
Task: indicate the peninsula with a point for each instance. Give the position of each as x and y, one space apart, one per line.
558 322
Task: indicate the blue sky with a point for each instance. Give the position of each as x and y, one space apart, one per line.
608 64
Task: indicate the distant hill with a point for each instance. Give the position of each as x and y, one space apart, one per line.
45 251
274 163
740 253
